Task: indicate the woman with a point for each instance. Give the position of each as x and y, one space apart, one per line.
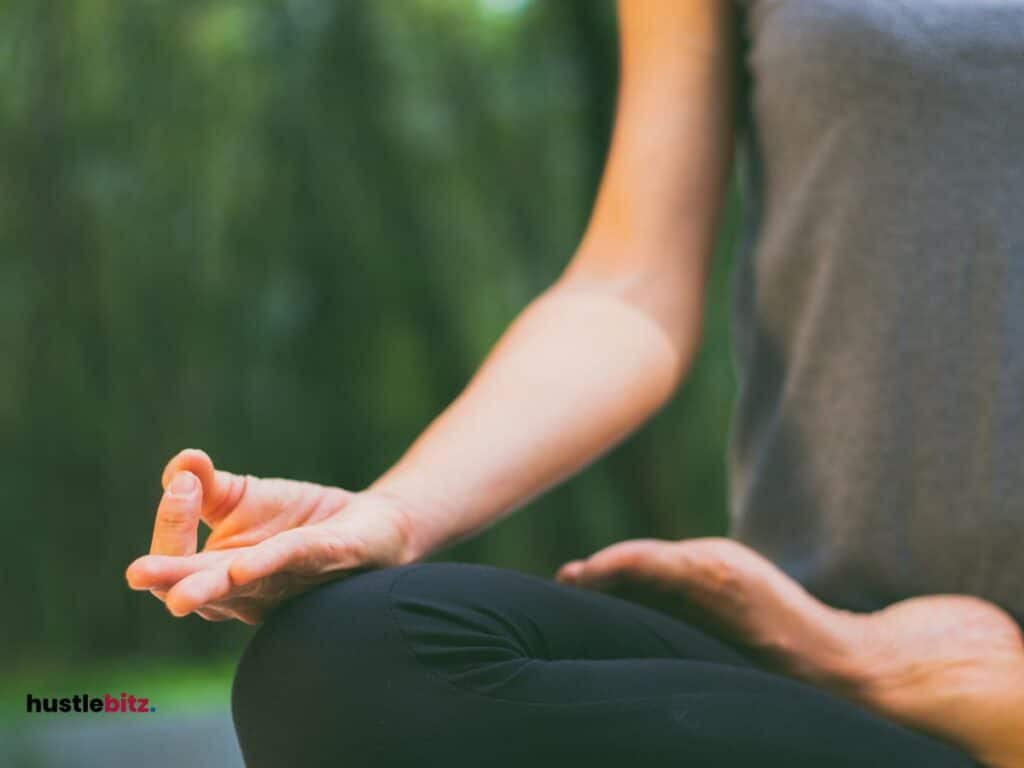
862 612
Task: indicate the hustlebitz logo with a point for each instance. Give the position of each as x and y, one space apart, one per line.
126 703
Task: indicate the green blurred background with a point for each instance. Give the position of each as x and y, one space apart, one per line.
285 232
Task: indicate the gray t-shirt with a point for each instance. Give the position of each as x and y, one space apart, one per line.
877 444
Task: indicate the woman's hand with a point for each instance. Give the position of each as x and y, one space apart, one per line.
949 665
269 539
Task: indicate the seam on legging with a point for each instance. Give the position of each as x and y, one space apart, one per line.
491 697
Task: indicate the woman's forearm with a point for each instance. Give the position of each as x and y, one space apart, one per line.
598 353
580 368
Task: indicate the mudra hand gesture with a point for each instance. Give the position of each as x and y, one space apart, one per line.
269 539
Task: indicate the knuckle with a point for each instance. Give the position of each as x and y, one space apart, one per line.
176 521
632 559
356 549
179 511
343 550
721 573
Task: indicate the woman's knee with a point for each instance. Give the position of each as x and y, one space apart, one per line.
312 671
332 671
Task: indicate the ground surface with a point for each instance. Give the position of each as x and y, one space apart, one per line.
198 740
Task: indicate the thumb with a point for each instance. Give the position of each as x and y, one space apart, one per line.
176 529
221 490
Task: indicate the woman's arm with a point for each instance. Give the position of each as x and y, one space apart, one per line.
602 349
582 366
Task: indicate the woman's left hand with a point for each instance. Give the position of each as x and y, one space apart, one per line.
950 665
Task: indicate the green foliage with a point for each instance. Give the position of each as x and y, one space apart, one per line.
287 232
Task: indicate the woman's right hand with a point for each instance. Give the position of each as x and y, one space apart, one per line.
270 539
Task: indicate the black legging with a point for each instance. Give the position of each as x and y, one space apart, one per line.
460 666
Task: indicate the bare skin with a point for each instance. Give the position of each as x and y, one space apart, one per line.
950 665
269 539
585 364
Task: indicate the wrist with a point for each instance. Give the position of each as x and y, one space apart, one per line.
411 526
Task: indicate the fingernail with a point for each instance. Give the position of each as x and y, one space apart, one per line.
183 485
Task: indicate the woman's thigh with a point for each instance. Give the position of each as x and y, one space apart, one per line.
463 665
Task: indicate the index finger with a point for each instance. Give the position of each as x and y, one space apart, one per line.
176 530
